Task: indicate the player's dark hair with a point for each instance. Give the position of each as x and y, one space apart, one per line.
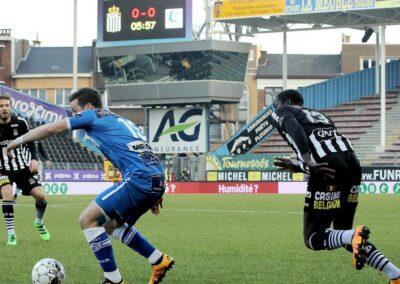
294 96
87 95
5 97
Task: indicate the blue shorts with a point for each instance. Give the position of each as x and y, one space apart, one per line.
125 202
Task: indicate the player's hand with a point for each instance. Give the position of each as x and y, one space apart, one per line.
34 166
157 207
321 169
10 148
286 164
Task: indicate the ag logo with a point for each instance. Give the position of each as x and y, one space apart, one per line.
182 129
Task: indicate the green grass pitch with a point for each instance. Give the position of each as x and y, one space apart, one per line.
213 238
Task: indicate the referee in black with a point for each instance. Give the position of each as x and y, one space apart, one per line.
18 170
333 185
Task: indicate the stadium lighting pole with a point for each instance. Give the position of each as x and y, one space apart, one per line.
284 60
75 50
383 88
377 78
209 18
75 57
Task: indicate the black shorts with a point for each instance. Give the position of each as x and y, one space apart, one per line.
24 179
333 202
324 195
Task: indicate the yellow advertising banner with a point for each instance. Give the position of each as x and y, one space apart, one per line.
229 9
386 3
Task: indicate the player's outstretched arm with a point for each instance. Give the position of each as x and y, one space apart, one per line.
287 164
38 133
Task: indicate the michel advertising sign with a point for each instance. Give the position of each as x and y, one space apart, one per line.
178 130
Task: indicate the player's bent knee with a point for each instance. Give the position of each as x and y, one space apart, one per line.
306 242
38 194
85 221
316 240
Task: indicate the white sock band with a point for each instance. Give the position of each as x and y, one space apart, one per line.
92 233
347 236
155 256
113 276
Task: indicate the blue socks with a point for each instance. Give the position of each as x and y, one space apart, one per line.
131 237
100 244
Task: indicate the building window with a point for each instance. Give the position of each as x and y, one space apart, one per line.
36 93
2 56
215 131
62 96
33 93
270 93
369 62
42 95
365 64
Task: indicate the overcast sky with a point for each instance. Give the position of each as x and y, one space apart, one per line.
52 20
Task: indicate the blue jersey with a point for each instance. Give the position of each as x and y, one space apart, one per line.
121 141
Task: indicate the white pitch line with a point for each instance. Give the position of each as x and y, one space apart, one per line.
53 205
232 211
212 210
266 212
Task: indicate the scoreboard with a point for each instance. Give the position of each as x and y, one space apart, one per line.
122 22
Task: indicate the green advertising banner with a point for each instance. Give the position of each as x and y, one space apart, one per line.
379 187
248 162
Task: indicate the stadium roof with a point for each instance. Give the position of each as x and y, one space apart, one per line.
358 19
54 60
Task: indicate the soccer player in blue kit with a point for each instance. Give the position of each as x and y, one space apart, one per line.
115 210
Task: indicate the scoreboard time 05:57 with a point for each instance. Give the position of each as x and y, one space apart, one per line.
126 20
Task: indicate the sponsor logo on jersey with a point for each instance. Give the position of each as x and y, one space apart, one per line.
326 200
102 113
4 180
324 133
139 146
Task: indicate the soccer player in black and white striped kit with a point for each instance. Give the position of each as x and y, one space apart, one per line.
333 186
18 170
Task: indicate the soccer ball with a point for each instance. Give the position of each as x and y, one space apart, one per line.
48 271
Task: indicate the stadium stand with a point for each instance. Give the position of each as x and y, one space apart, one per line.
359 120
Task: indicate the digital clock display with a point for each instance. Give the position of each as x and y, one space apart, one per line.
139 20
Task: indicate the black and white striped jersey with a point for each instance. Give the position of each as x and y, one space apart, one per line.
8 132
308 130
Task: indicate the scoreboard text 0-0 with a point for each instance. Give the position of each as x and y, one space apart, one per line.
130 20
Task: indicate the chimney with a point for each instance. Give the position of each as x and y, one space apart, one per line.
5 32
36 42
345 38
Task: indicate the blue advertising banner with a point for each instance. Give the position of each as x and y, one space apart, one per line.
311 6
250 136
